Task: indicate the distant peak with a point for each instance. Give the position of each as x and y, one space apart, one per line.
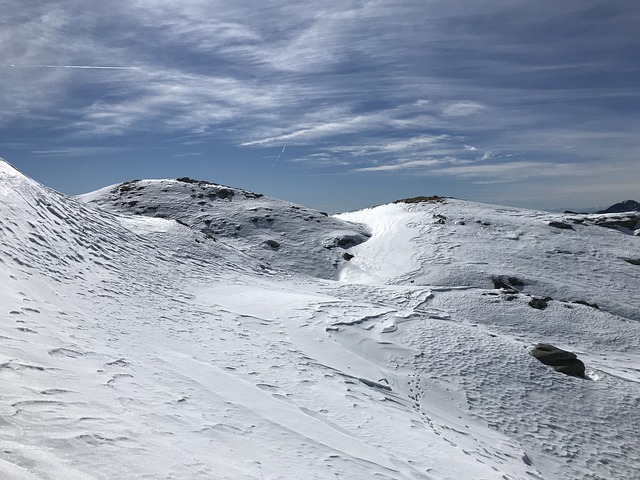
626 206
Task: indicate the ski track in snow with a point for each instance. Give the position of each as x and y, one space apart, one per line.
142 347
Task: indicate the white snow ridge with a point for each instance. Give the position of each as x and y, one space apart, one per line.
175 329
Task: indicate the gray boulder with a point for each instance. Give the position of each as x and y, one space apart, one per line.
561 360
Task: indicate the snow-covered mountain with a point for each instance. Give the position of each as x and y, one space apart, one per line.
625 206
294 237
175 329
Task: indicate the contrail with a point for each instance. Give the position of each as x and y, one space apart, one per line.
278 157
82 67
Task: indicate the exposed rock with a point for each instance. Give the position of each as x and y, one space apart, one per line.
126 186
371 383
345 241
539 303
252 195
188 180
628 222
432 199
347 256
561 360
200 183
225 193
632 261
501 283
272 243
515 281
583 302
561 225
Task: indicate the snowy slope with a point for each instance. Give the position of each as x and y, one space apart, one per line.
136 346
458 243
579 429
294 237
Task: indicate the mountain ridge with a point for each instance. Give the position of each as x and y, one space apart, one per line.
261 226
134 345
624 206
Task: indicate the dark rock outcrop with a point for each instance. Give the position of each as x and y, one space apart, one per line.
561 225
584 302
345 241
627 221
515 281
508 284
431 199
561 360
539 303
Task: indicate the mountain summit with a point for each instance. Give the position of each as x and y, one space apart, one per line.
184 329
626 206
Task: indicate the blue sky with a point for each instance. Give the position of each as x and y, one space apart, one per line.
337 105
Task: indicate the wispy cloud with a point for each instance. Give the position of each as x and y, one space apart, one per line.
173 101
79 67
462 109
190 154
318 131
77 151
410 165
509 170
409 144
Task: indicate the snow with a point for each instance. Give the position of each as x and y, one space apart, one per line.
158 340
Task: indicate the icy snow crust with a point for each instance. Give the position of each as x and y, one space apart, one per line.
136 346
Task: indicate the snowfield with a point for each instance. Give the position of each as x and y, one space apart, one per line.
175 329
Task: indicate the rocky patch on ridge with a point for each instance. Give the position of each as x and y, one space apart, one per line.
422 199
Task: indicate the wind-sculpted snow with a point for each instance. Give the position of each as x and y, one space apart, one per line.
152 345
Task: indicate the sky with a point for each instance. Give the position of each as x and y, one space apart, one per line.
338 105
